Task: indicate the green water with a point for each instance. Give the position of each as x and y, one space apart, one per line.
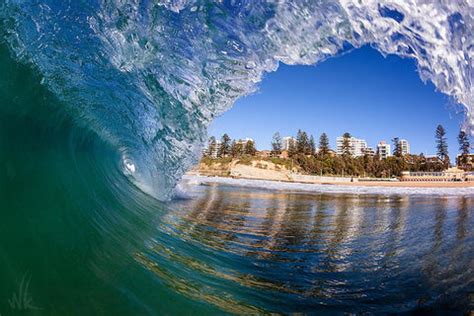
71 223
78 238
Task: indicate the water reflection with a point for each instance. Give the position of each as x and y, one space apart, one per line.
292 252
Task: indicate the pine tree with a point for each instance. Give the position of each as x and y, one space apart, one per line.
276 144
442 145
312 146
302 143
233 149
346 144
212 146
464 147
225 149
250 148
292 150
236 149
323 144
397 147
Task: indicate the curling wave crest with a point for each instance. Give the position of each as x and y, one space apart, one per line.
149 76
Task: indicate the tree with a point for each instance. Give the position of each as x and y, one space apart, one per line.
323 145
292 151
276 144
302 143
397 147
233 149
237 149
464 147
225 148
346 144
442 145
312 146
249 148
212 146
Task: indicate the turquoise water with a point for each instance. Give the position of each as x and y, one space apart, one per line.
78 238
71 222
282 251
148 77
105 104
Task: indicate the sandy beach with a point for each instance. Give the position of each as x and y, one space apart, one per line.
406 184
267 171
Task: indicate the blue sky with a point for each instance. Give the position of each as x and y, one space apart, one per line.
361 92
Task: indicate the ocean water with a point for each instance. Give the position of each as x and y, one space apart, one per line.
95 249
326 188
148 77
105 104
282 251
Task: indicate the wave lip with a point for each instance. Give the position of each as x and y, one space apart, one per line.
149 77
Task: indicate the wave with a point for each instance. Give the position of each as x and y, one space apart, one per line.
150 76
190 181
94 94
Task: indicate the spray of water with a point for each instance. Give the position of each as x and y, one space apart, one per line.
149 76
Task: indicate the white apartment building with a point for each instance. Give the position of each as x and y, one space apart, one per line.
244 141
357 146
383 150
369 151
405 145
215 151
286 142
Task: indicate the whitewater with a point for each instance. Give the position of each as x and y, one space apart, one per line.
148 77
104 104
192 180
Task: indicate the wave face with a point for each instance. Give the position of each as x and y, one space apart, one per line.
96 93
149 76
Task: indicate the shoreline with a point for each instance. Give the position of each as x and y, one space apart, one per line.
407 184
375 187
265 170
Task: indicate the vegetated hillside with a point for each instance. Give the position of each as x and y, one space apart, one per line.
247 167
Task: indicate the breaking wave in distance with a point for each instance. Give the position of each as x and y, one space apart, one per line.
149 76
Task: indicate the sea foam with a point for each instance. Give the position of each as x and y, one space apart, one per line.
150 76
191 180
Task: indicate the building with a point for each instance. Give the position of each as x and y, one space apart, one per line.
286 142
449 175
212 152
357 146
284 154
433 159
468 164
369 151
264 153
405 147
332 153
383 150
244 141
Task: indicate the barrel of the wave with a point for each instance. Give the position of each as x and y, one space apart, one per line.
70 219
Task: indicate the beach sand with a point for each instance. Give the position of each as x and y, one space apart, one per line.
407 184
